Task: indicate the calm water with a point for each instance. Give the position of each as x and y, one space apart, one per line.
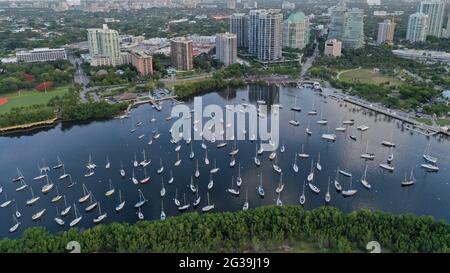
73 143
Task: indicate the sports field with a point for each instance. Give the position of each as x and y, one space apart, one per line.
368 76
27 98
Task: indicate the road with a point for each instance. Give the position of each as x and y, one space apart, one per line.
309 62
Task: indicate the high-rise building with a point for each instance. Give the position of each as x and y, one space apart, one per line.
239 26
296 31
447 30
338 16
354 29
104 44
265 34
435 9
386 31
226 48
417 27
142 62
41 55
231 4
181 53
333 48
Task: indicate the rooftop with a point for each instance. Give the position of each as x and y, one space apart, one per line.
295 17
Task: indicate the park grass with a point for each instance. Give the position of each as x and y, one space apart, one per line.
30 97
426 121
443 122
368 76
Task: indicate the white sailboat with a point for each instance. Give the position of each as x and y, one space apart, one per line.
311 173
58 220
192 154
303 155
176 201
313 111
364 181
255 158
295 107
121 204
134 179
261 149
409 182
170 181
86 194
135 162
93 203
232 190
235 150
260 187
302 198
122 171
57 197
141 201
328 195
19 176
14 227
239 178
337 185
209 206
185 206
77 218
430 167
18 214
33 198
59 165
192 186
295 166
279 202
350 191
66 209
101 216
64 175
215 169
23 185
197 198
197 172
161 167
8 202
47 187
111 190
144 163
91 165
206 157
367 155
38 215
162 216
275 167
41 175
178 161
318 165
140 214
108 164
163 189
211 182
428 157
280 187
308 131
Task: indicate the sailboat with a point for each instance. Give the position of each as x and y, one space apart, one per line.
41 175
322 121
427 155
122 171
302 198
197 198
38 215
282 148
19 176
211 182
59 165
344 173
108 164
364 181
141 201
318 166
89 173
280 187
308 131
239 178
192 154
185 206
86 194
64 175
276 167
260 187
295 166
206 157
23 185
350 191
162 216
140 214
221 144
101 216
121 204
279 202
135 162
18 214
362 128
273 155
261 149
33 199
170 181
409 182
15 226
255 158
294 121
58 220
337 185
390 156
178 148
111 189
48 186
430 167
245 206
367 155
209 206
57 196
157 134
161 167
215 169
235 150
71 183
77 218
134 179
387 167
178 161
192 186
90 165
93 203
66 209
176 201
313 111
295 107
8 202
311 173
232 190
197 172
163 190
144 163
328 195
303 155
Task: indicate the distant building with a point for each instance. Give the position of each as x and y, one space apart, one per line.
142 62
231 4
417 28
41 55
435 9
181 53
288 5
347 25
338 18
239 26
104 46
296 31
226 48
333 48
447 30
423 55
374 2
265 34
386 31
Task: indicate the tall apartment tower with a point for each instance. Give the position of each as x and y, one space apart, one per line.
104 43
181 53
226 48
338 16
296 31
354 29
265 34
239 26
447 30
435 9
231 4
386 31
417 27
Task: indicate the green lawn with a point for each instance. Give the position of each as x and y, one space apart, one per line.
28 98
368 76
442 122
425 121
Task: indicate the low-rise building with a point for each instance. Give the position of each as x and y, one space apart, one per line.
333 48
142 62
423 55
41 55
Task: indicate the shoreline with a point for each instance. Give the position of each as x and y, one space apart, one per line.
30 126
